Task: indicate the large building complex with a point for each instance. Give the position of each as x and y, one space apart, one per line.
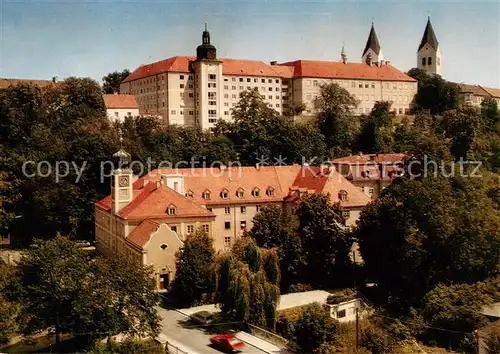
147 219
197 91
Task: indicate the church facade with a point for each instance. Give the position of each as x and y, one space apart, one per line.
199 90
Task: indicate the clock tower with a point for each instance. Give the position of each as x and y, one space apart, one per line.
121 181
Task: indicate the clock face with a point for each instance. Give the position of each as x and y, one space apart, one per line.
123 182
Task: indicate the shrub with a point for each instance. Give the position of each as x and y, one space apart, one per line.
299 288
341 296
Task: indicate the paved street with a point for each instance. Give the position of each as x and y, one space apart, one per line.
192 340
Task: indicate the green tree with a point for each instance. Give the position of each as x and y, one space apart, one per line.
314 328
334 106
59 286
434 93
377 130
248 284
8 310
195 278
490 114
272 228
447 228
111 82
326 245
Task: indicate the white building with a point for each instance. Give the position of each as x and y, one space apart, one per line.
346 311
429 53
197 91
120 106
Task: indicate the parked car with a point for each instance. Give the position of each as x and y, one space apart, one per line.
202 318
227 343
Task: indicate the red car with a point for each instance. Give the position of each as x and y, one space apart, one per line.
227 343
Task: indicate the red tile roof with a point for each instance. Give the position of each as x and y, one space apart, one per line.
120 101
142 233
296 69
494 92
339 70
370 158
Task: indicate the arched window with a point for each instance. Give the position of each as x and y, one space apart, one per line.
171 210
343 195
240 193
189 193
256 192
423 61
439 61
224 194
429 61
270 191
206 194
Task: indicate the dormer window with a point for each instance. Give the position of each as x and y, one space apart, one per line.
270 191
224 194
189 194
240 193
256 192
343 195
206 195
171 210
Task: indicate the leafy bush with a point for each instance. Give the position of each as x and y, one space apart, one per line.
299 288
314 328
493 343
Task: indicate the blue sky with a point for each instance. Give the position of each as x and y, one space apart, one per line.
41 39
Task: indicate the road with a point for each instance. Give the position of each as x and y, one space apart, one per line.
191 339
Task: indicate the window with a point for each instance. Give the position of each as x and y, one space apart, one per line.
226 104
243 209
439 61
258 208
211 76
227 210
171 210
233 87
270 81
173 112
241 79
241 88
343 195
116 114
360 85
191 113
212 85
367 85
189 229
243 225
212 120
277 88
212 113
181 77
206 228
163 246
373 85
226 87
263 80
226 113
269 88
249 88
206 195
180 94
371 191
181 85
256 192
190 86
233 95
429 61
212 103
270 97
341 314
173 228
189 194
227 241
212 94
191 95
209 209
277 97
224 194
129 114
346 214
233 79
270 191
315 83
190 77
277 105
227 225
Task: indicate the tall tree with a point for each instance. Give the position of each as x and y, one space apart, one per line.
272 228
111 82
447 228
334 106
490 114
377 130
434 93
8 310
195 276
326 245
59 286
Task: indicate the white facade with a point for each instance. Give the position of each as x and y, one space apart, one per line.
429 59
346 311
119 114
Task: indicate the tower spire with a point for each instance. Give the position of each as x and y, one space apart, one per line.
372 49
206 28
429 53
429 36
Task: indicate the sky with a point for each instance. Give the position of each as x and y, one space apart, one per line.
40 39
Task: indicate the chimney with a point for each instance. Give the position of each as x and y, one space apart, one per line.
174 182
274 62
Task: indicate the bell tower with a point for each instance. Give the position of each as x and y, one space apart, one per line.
429 53
373 50
121 180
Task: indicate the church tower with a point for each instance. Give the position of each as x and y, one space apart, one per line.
343 55
429 54
373 51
